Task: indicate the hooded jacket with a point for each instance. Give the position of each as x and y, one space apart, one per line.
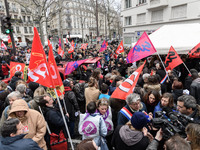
33 120
126 139
18 143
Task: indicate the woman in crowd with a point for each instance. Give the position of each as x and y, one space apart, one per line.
92 92
193 135
151 99
104 110
167 101
177 90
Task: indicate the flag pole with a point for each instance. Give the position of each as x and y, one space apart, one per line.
163 65
187 68
60 107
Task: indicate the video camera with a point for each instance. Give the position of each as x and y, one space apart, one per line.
171 123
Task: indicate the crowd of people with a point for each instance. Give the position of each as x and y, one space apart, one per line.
157 115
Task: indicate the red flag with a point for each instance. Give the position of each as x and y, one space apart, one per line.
38 70
71 48
9 41
120 48
3 46
103 46
195 52
60 50
54 69
67 41
172 60
84 46
127 87
15 66
142 49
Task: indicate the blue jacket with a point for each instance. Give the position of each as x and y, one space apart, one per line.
122 120
157 108
18 143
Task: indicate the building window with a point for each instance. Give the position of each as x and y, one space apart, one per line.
128 20
25 30
15 16
17 30
179 11
30 30
128 3
29 18
142 1
24 18
141 18
157 16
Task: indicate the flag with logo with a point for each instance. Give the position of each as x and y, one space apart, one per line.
84 46
38 68
60 50
120 48
142 49
127 87
72 47
195 52
54 71
71 66
103 46
3 46
9 41
172 60
15 66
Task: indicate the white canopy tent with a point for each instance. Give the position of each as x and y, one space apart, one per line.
183 37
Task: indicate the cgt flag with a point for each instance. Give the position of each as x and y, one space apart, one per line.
15 66
3 46
172 60
142 49
38 70
120 48
195 52
71 66
72 47
127 87
84 46
103 46
54 71
60 50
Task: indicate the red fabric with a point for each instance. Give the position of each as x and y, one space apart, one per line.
84 46
38 67
67 88
127 87
9 41
71 48
58 142
5 69
15 66
172 60
120 48
3 46
195 52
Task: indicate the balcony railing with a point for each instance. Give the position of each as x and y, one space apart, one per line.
154 4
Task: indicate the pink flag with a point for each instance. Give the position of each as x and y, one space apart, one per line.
103 46
98 64
142 49
71 66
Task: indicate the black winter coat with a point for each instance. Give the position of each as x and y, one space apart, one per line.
13 81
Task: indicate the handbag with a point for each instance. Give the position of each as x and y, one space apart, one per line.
58 142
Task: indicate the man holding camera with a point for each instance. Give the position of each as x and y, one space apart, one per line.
188 106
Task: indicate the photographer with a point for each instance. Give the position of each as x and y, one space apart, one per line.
187 105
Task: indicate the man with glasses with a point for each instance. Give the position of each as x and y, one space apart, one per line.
188 106
134 104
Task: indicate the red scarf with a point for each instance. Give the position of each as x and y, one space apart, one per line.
67 88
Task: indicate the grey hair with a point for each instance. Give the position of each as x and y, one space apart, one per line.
132 98
108 75
21 88
189 101
15 94
146 75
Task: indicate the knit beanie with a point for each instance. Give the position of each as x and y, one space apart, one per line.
139 120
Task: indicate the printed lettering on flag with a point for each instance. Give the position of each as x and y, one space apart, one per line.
84 46
127 87
142 49
172 60
15 66
71 48
120 48
195 52
38 70
71 66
